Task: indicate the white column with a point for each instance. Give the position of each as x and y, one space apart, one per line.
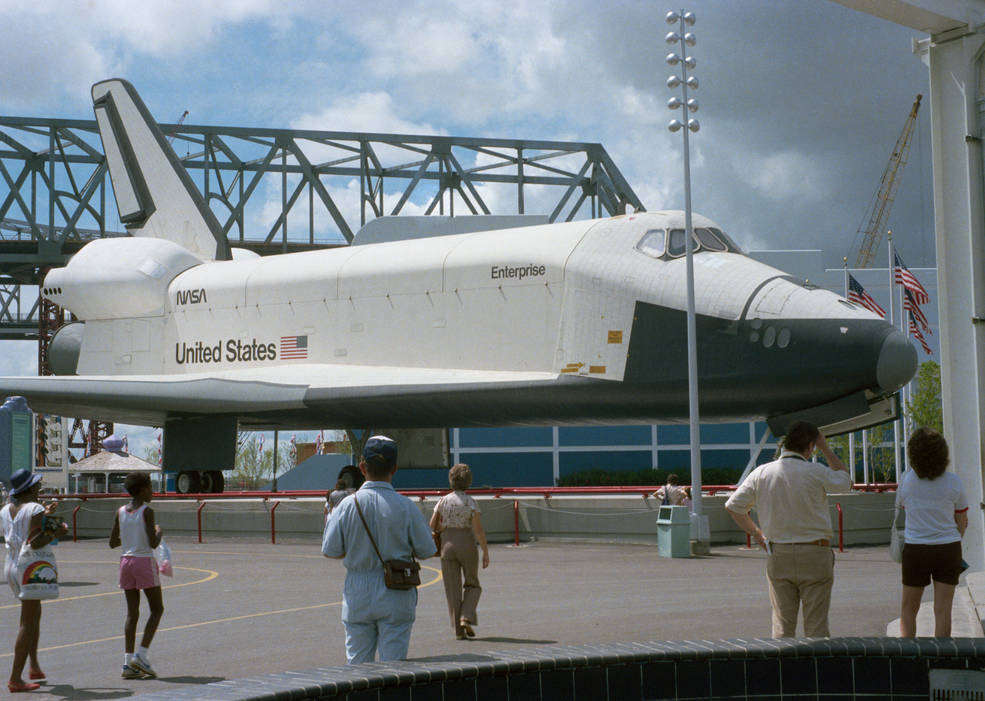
958 219
865 456
555 454
654 453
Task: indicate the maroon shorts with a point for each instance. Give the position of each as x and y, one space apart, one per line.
921 563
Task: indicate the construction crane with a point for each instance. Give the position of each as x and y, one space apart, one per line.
882 202
177 125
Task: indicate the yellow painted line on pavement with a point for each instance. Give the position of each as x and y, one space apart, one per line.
210 575
199 624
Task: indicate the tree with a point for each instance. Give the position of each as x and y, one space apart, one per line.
152 454
925 407
252 467
882 466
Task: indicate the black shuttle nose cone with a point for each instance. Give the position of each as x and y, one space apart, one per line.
897 362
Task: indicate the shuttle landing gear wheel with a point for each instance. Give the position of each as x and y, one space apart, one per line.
213 482
188 482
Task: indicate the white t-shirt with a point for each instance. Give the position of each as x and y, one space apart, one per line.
930 506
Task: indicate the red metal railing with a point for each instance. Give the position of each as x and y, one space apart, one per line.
199 516
497 492
273 527
547 492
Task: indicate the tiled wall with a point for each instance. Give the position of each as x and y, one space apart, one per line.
839 669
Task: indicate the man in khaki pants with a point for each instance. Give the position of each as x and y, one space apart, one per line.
790 496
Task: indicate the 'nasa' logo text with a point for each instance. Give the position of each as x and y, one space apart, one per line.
190 297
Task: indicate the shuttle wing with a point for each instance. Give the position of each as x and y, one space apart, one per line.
345 395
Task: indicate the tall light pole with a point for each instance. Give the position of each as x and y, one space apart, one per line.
683 82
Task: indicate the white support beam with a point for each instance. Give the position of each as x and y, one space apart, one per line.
954 54
959 220
929 16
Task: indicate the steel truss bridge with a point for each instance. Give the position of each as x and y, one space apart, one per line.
276 190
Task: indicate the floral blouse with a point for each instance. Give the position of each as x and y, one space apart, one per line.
456 510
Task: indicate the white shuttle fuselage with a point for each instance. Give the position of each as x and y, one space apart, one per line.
557 323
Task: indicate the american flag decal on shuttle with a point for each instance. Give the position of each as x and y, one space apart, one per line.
293 347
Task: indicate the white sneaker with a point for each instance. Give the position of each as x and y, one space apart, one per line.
131 673
142 665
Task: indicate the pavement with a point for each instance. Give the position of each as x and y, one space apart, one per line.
239 607
967 612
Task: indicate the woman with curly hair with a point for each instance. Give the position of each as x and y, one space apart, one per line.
936 517
457 521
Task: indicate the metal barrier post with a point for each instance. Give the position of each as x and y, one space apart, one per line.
273 529
75 530
516 523
201 505
841 530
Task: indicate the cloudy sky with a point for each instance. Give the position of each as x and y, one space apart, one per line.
801 100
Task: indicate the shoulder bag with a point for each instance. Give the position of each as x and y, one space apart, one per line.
36 572
398 574
896 537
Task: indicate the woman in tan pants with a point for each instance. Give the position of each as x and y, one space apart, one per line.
456 519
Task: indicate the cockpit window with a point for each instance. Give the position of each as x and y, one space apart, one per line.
653 243
709 241
658 243
676 246
729 243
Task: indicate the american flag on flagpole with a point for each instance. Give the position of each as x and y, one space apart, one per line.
910 304
857 294
160 453
917 334
260 446
904 277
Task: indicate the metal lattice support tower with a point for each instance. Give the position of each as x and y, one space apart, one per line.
50 319
89 435
55 194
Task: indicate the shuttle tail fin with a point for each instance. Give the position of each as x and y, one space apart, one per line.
155 196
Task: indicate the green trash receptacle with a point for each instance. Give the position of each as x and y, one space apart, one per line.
674 531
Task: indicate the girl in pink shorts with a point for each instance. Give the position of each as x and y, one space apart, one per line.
135 530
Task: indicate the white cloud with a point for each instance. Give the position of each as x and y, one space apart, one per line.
423 45
784 176
19 358
366 112
165 28
56 57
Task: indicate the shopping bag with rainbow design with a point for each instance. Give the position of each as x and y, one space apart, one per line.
37 574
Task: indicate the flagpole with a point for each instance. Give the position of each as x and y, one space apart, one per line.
892 320
904 327
851 436
274 483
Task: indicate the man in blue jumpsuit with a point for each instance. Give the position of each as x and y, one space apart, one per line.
373 615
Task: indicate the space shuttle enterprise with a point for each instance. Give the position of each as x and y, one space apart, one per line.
578 322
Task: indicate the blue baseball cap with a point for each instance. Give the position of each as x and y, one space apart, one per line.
381 448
